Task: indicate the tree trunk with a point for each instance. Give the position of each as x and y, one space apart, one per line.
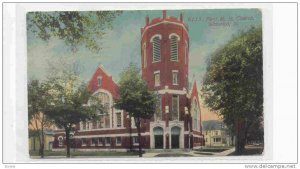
138 122
40 144
39 137
43 138
130 137
240 136
68 142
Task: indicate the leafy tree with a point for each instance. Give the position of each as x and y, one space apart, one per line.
255 133
75 28
135 98
71 103
37 103
233 84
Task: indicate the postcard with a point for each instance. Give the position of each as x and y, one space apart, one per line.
145 83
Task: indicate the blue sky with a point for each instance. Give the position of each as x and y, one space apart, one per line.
121 45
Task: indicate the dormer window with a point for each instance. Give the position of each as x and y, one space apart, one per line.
99 80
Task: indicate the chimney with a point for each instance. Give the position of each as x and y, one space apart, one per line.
181 17
164 14
147 20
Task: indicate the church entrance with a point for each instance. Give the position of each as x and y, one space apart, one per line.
175 135
158 138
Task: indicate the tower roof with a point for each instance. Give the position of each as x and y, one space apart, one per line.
164 19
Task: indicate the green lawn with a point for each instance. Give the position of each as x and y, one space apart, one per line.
173 155
213 149
251 150
80 153
204 153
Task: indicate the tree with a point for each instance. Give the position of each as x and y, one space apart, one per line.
37 103
135 98
73 27
70 104
233 84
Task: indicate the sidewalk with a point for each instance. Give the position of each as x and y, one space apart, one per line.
227 152
191 153
150 154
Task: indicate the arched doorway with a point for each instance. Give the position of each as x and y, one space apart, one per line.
158 137
175 135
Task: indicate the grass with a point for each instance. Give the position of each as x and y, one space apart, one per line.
173 155
213 149
204 153
81 153
250 151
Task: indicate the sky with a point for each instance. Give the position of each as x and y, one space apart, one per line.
209 29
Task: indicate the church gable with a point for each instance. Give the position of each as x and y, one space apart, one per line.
195 107
102 80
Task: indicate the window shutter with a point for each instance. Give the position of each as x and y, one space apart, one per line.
174 48
156 49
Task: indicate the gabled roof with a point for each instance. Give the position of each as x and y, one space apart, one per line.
213 125
49 132
194 89
194 94
107 82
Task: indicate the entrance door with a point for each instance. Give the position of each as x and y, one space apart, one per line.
175 141
175 134
159 141
158 138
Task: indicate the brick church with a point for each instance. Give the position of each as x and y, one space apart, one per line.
165 66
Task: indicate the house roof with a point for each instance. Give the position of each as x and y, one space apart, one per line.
49 132
213 125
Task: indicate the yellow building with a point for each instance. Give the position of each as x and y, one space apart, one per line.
34 144
35 126
216 134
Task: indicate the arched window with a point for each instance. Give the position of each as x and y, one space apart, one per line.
156 48
104 117
175 130
174 38
158 131
195 115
